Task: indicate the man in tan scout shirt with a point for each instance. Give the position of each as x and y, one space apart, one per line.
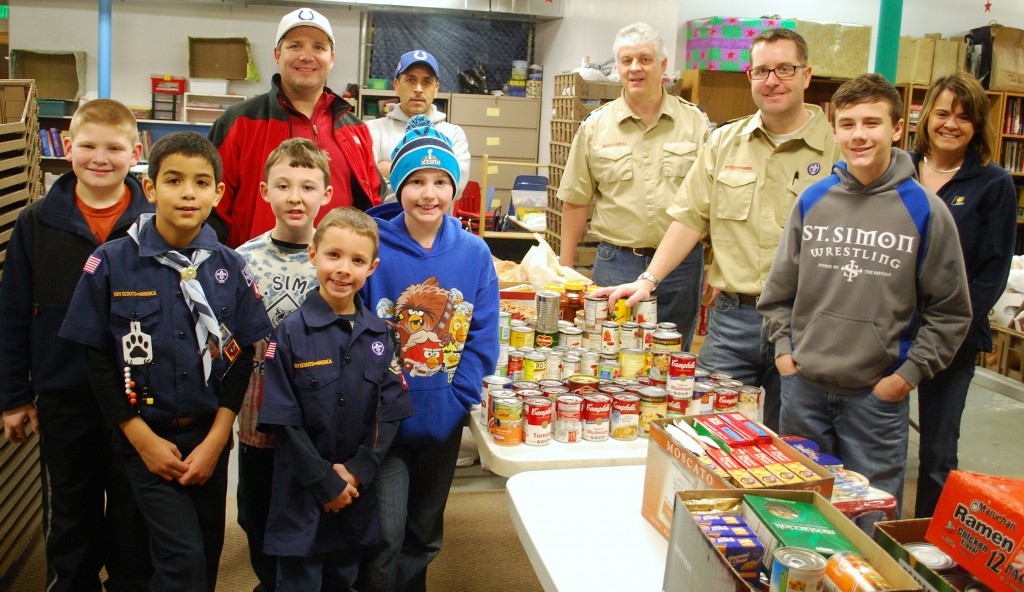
740 192
629 158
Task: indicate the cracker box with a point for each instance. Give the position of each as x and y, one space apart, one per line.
979 522
893 534
692 562
671 468
723 42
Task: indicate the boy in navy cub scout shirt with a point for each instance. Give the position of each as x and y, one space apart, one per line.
164 314
333 396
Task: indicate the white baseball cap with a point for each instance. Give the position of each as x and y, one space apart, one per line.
304 17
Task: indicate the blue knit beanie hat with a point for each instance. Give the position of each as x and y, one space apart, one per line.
423 147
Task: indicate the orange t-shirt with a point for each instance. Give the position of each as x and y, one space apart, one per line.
101 220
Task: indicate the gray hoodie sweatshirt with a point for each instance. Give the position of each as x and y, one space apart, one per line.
867 281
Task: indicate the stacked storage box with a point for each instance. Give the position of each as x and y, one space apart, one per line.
20 182
574 99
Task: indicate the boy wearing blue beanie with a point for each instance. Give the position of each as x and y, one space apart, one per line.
437 286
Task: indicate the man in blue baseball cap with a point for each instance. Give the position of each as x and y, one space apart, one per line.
416 82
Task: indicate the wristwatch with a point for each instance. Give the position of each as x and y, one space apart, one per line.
649 277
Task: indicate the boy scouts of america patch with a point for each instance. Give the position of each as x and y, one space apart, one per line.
271 351
378 348
91 264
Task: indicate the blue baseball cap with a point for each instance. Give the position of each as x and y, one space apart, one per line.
417 56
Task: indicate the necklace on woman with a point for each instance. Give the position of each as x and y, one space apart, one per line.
942 171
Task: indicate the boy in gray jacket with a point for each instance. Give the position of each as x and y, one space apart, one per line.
867 295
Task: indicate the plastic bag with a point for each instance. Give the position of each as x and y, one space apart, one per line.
542 267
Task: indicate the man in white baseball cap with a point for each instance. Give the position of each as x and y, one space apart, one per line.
416 82
299 105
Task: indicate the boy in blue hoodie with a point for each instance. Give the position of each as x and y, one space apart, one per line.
437 286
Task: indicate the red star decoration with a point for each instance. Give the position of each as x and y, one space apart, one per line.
988 7
703 54
751 33
711 66
731 55
712 32
771 23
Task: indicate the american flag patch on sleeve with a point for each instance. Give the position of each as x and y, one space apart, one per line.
91 264
271 350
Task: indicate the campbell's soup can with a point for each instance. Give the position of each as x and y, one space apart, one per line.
507 425
595 312
719 376
619 312
749 401
504 327
568 418
487 413
681 368
700 374
653 405
646 311
553 392
525 384
520 336
491 383
848 571
625 419
631 362
628 338
608 369
581 384
588 363
703 398
596 420
570 337
570 365
544 383
796 570
534 366
537 413
610 389
726 399
525 394
730 383
647 331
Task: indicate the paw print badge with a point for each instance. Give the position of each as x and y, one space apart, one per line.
136 346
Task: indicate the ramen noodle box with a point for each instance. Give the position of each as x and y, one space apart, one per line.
979 522
625 417
507 425
797 570
596 419
790 523
749 401
568 418
537 416
646 311
491 383
849 572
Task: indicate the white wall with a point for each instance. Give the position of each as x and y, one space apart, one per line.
151 38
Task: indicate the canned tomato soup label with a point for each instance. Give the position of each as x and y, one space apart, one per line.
507 425
597 410
625 419
568 418
537 421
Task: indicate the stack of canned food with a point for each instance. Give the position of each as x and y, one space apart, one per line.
941 563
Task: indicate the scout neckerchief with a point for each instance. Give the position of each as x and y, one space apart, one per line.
207 329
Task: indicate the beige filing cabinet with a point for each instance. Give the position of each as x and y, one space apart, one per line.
504 128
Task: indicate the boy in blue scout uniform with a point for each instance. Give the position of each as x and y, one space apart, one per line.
44 378
333 396
164 313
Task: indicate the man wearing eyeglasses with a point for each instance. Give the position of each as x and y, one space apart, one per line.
628 159
740 193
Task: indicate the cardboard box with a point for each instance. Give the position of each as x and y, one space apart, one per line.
723 42
223 58
59 75
892 535
671 468
979 522
837 50
694 564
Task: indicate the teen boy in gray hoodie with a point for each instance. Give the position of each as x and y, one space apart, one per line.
867 295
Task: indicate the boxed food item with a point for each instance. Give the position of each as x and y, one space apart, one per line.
517 299
979 522
723 42
836 50
672 467
693 563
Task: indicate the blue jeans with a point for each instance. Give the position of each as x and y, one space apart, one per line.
678 294
738 344
308 574
940 404
412 491
867 433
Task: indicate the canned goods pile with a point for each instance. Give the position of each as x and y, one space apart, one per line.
786 544
941 563
753 460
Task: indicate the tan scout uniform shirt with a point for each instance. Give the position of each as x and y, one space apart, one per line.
742 190
632 172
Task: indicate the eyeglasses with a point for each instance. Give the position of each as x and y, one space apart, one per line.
783 71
